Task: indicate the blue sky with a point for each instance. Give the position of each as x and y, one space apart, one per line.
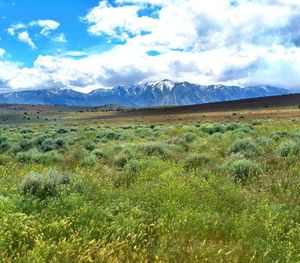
89 44
68 15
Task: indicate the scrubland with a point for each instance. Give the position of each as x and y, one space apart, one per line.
180 192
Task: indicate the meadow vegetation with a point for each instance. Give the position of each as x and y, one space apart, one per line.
195 192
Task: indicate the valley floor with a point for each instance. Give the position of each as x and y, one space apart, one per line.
84 185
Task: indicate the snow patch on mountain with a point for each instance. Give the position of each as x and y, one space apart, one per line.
152 93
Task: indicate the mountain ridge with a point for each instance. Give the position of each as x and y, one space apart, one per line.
153 93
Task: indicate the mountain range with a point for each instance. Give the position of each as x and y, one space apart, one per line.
154 93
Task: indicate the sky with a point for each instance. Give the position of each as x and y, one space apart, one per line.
90 44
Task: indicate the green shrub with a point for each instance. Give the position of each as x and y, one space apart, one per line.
243 170
98 153
48 157
211 129
243 146
179 141
62 130
276 136
34 156
232 126
4 143
143 132
47 145
44 185
26 145
131 170
218 128
189 137
132 167
245 129
89 160
265 142
156 149
89 145
195 161
112 135
59 143
4 146
24 157
289 148
122 158
40 139
124 155
25 131
3 138
295 134
51 144
70 140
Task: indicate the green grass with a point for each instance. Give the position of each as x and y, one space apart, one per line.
195 192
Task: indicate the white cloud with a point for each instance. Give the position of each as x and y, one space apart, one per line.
197 24
2 52
117 22
218 41
75 53
13 28
122 65
24 37
152 2
60 38
46 25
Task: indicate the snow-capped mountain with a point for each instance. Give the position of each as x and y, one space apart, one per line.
154 93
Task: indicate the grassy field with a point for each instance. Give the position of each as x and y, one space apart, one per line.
90 185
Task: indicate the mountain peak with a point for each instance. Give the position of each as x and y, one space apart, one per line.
153 93
161 85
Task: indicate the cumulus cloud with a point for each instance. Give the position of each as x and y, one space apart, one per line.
117 22
238 42
24 37
47 26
